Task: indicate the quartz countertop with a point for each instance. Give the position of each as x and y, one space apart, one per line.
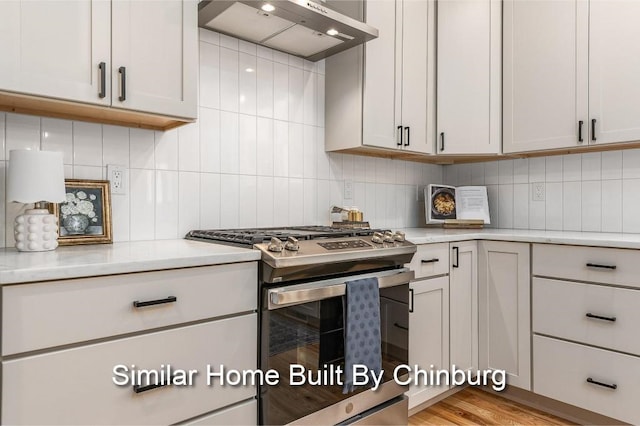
117 258
599 239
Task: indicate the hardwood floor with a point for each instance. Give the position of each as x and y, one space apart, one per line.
475 407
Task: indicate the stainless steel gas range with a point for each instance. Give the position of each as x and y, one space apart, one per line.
302 280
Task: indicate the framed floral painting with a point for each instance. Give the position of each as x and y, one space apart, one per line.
85 216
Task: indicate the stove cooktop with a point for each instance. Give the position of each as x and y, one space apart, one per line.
251 236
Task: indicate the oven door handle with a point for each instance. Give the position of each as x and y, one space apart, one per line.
286 296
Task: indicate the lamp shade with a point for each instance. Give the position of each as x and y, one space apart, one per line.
35 176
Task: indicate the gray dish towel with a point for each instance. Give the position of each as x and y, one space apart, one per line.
362 343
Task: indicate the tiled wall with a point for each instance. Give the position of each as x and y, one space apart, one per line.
597 192
254 158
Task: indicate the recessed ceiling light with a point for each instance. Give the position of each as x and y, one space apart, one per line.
333 32
268 7
249 70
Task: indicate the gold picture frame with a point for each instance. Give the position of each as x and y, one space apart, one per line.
85 217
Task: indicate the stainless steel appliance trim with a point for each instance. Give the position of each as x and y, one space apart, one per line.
394 412
354 405
303 293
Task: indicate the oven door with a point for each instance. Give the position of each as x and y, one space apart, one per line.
302 325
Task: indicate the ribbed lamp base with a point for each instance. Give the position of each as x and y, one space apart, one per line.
36 230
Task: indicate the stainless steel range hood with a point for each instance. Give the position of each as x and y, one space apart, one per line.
300 27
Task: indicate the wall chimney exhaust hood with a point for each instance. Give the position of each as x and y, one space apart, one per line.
303 28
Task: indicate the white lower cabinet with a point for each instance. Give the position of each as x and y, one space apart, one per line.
428 334
62 372
599 380
504 310
242 414
463 305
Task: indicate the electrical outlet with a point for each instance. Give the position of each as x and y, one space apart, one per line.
348 190
118 179
537 193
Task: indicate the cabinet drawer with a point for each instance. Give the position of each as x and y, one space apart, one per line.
600 265
62 312
561 370
245 413
75 386
431 260
560 309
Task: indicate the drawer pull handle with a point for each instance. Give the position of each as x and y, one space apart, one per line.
410 300
401 327
595 265
145 388
606 385
434 260
590 315
170 299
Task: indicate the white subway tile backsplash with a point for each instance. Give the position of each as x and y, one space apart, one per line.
87 144
265 53
229 79
264 147
281 199
89 172
247 147
324 202
22 132
369 212
505 206
209 128
553 167
310 153
572 168
142 208
2 157
310 98
630 205
591 205
631 164
115 146
295 61
537 212
141 149
611 165
521 206
280 57
188 147
296 95
505 172
166 150
265 202
209 36
309 201
296 197
210 199
553 206
247 47
188 202
247 85
166 208
572 206
537 169
521 170
347 167
229 42
247 209
229 139
209 75
296 150
320 99
494 212
57 135
264 88
335 165
280 91
477 173
591 166
120 213
491 176
612 206
281 149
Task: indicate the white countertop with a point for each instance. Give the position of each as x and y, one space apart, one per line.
117 258
599 239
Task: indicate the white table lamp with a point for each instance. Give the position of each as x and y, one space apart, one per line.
36 177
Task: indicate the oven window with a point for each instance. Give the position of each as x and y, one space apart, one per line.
312 335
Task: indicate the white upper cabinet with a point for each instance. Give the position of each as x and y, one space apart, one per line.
614 71
545 74
574 80
468 77
56 49
387 85
155 50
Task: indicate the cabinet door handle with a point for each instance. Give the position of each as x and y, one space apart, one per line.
399 135
170 299
590 315
455 264
434 260
596 265
593 129
410 300
401 327
580 123
102 68
442 141
606 385
140 389
123 84
406 143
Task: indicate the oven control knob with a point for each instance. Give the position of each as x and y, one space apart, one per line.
291 244
399 236
388 237
377 238
275 245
